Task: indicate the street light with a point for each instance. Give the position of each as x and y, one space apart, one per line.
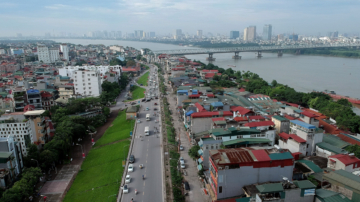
36 161
111 196
83 154
124 150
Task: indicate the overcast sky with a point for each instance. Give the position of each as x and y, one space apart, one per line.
35 17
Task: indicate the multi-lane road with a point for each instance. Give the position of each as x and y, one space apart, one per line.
147 151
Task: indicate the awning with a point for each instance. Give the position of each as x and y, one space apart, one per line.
189 113
200 152
200 160
199 167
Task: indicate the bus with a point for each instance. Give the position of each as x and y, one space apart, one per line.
148 117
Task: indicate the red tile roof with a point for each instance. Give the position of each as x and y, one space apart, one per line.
218 119
178 69
210 71
292 136
210 95
29 108
242 110
256 118
194 96
210 114
332 129
346 159
211 75
200 108
348 139
309 114
242 90
289 117
261 155
238 119
260 123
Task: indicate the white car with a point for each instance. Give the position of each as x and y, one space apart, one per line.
131 168
182 161
182 165
125 189
181 148
127 179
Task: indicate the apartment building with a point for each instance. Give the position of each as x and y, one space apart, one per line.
282 124
47 100
11 160
18 98
307 132
34 98
232 169
65 51
65 91
87 83
47 55
69 70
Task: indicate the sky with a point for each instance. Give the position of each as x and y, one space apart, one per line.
305 17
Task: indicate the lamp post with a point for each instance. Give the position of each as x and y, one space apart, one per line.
36 161
83 154
124 150
111 196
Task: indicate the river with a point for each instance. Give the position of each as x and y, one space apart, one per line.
302 72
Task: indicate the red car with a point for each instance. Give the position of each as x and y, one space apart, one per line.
155 103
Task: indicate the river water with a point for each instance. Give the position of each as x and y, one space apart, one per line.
303 73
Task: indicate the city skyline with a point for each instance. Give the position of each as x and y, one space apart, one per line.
39 17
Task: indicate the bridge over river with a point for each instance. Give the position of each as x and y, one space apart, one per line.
257 49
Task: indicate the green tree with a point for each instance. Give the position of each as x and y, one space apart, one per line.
138 57
106 111
354 149
274 83
216 77
130 63
47 158
193 152
344 102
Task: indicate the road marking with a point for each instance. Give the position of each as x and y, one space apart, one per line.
144 183
143 193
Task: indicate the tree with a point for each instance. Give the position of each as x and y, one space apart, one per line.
274 83
138 57
193 152
106 111
130 63
47 158
216 77
116 61
354 149
344 102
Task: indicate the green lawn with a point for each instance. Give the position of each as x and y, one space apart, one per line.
119 130
137 93
102 170
143 79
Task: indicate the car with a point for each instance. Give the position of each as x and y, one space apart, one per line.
147 109
132 159
131 168
138 121
127 179
143 100
133 103
155 103
186 186
141 84
125 189
155 109
181 148
156 97
182 161
182 165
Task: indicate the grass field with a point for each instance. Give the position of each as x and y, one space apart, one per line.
137 93
102 170
118 130
143 79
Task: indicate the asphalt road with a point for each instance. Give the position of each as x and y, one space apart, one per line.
147 151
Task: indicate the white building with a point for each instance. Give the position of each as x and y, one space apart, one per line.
65 50
87 83
347 162
2 51
69 70
47 55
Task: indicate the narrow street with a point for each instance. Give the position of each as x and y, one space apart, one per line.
196 193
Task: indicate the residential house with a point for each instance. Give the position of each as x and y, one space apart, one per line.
282 124
242 112
293 143
331 145
266 127
34 98
343 182
308 132
66 91
285 191
231 169
131 112
324 195
309 118
202 121
347 162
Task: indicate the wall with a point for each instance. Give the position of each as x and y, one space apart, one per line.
235 179
323 153
294 195
200 124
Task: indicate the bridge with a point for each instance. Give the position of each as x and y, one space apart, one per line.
257 49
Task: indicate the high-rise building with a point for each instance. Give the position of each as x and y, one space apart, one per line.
234 34
47 55
177 34
88 83
65 50
294 37
199 33
267 31
250 33
152 34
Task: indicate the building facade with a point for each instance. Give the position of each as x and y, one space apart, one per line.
65 51
87 83
250 33
282 124
234 34
267 32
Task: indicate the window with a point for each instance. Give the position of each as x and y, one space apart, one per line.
252 135
220 189
307 145
89 87
212 147
76 88
88 74
92 74
207 147
239 136
88 79
89 83
89 92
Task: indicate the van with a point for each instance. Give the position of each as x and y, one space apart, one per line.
147 132
148 117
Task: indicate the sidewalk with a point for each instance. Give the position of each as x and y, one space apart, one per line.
195 193
56 189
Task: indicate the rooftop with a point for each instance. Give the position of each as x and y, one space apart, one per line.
343 177
34 113
280 118
346 159
303 124
268 188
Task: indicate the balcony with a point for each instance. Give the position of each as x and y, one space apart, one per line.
19 101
